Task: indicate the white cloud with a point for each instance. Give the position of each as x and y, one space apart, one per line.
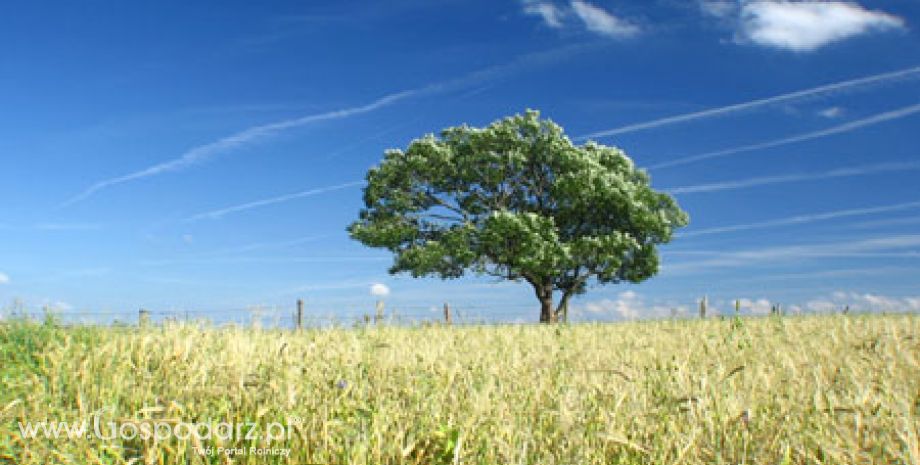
630 295
621 307
334 285
628 305
602 22
580 14
4 278
58 306
380 290
719 8
821 306
551 14
832 112
863 302
759 306
808 25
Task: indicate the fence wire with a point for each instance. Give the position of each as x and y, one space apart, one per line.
286 317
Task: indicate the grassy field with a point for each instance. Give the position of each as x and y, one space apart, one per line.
817 389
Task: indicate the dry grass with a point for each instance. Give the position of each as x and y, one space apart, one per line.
833 390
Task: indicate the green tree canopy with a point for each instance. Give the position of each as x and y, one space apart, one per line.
517 200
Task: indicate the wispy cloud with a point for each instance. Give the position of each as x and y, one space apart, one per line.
254 134
581 14
550 13
886 222
814 254
803 219
840 129
271 245
4 278
72 275
234 254
269 260
335 285
798 177
85 272
831 112
718 8
907 73
67 226
808 26
601 21
57 305
836 273
220 213
795 252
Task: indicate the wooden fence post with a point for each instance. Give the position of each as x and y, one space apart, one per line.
379 312
703 304
446 313
299 314
143 318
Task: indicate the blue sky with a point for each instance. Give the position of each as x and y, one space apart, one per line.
201 157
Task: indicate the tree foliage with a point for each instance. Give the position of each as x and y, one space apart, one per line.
517 200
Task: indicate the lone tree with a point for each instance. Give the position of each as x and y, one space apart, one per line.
517 200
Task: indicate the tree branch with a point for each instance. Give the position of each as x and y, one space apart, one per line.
567 293
446 205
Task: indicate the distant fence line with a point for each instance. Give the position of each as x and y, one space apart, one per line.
298 316
293 316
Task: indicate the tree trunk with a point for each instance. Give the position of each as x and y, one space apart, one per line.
546 308
544 292
562 311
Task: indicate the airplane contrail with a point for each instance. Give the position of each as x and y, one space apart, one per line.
797 252
839 129
798 177
802 219
814 91
216 214
204 152
886 222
